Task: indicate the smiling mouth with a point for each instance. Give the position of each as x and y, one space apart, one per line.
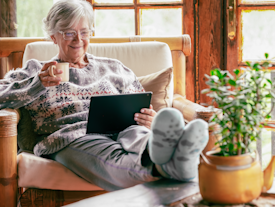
77 47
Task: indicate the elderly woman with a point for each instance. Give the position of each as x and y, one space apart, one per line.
160 145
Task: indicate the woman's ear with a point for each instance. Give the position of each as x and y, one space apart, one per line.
53 39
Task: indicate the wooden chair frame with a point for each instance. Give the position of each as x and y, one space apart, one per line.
11 54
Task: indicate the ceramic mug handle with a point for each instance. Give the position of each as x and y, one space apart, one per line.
51 70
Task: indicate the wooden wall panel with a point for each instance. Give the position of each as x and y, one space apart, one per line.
8 18
189 28
211 44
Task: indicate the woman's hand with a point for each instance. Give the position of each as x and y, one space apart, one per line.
146 116
45 77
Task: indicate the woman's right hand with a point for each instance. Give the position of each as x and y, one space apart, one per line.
45 77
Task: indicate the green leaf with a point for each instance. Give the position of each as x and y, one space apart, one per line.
219 74
256 65
237 71
266 64
231 146
268 116
248 63
212 72
232 82
266 55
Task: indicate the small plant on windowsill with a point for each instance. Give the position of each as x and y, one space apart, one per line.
243 100
232 175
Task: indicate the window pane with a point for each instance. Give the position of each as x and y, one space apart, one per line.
115 22
257 1
161 22
266 147
159 1
29 16
113 1
257 34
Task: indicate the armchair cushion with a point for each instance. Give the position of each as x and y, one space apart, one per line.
159 84
38 172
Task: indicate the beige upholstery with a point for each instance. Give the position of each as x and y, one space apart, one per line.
143 58
38 172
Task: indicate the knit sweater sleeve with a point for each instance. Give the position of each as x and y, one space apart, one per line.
22 86
132 84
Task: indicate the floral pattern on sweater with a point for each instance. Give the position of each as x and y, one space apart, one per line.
59 113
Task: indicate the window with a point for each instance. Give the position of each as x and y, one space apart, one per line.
29 16
255 36
137 17
112 17
257 32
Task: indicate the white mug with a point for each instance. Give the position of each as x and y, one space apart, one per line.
60 66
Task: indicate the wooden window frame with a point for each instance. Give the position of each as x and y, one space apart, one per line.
248 7
234 49
233 53
137 7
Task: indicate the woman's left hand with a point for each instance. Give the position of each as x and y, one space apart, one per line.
146 116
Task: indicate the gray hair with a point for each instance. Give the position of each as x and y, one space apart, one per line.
65 13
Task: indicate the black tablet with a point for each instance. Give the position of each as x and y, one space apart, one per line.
110 114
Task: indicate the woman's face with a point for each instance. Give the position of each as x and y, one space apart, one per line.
73 50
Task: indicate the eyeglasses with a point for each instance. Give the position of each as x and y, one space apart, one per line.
71 34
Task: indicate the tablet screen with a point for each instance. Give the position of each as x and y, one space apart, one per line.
113 113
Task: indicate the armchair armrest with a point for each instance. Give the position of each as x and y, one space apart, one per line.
16 111
186 107
8 157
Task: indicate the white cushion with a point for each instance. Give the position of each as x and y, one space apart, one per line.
143 58
38 172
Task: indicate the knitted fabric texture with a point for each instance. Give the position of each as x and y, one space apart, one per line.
59 113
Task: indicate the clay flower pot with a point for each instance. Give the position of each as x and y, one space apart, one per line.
230 180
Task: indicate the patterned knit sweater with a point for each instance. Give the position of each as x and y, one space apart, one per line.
59 113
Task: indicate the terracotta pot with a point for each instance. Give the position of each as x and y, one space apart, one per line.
230 180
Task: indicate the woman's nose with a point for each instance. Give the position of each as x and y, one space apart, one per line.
78 37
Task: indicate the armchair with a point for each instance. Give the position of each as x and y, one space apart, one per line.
158 62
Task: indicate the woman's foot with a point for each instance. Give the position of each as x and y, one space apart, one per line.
182 163
167 128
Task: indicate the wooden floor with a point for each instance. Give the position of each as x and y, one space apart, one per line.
153 194
165 193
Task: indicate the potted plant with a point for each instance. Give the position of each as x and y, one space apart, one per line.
232 174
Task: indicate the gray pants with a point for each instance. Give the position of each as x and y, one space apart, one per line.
111 163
